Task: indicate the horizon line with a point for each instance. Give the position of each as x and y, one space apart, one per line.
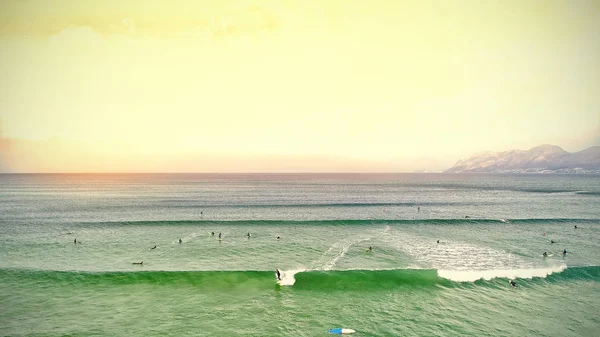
250 172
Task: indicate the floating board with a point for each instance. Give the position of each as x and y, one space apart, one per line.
339 331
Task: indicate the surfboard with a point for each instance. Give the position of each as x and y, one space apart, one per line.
339 331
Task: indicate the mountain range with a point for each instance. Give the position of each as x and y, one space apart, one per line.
544 159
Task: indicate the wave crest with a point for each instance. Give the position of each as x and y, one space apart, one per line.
300 279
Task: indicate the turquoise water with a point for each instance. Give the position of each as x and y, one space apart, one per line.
491 228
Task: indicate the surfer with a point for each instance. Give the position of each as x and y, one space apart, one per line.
212 233
418 209
370 248
278 237
75 241
512 283
153 248
140 263
219 235
438 241
552 241
575 226
278 274
545 254
180 241
564 252
248 235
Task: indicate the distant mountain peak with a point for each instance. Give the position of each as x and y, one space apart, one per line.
545 158
548 148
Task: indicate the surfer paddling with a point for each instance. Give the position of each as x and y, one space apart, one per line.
140 263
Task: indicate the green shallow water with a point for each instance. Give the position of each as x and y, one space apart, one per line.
248 303
408 285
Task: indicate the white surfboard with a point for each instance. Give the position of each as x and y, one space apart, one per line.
340 331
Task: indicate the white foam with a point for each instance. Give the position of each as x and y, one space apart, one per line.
287 276
474 275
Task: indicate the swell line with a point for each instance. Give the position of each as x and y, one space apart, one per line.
314 280
351 222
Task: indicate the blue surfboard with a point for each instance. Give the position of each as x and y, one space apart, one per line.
339 331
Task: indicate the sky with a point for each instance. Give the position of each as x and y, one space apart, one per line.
292 85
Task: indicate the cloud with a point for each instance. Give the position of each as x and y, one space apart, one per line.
129 25
218 19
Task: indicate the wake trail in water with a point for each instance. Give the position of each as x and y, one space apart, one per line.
338 250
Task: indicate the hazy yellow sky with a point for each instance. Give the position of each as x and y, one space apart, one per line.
209 86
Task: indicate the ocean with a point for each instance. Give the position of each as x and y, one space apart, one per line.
72 247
